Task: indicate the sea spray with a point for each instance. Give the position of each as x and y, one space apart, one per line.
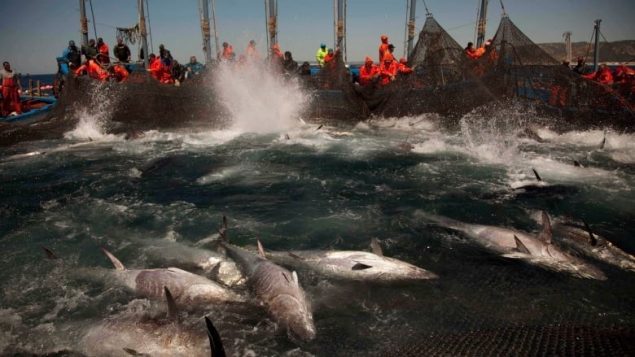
93 118
258 99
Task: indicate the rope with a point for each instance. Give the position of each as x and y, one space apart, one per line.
93 15
149 27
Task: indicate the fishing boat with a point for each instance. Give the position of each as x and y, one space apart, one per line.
33 108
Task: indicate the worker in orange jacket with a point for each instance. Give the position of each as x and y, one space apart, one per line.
103 55
402 67
120 73
368 72
383 48
388 69
603 75
93 69
10 91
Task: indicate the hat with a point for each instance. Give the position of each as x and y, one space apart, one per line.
384 38
322 45
368 60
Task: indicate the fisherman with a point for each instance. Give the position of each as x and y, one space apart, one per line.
10 91
402 67
193 67
228 52
289 65
277 58
251 53
603 75
305 69
388 69
165 56
320 54
103 57
470 51
177 72
72 55
383 48
90 51
159 70
93 69
329 58
119 72
121 51
580 66
368 73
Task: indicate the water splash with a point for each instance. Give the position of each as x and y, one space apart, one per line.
94 117
258 100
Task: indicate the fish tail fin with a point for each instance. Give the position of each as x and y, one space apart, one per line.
215 342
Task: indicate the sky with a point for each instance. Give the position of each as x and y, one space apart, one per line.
34 32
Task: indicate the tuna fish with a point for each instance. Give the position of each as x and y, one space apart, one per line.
128 334
277 288
352 265
520 245
186 287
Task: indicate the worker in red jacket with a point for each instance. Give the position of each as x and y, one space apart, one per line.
10 91
383 48
103 55
603 75
119 73
403 68
93 69
368 72
388 69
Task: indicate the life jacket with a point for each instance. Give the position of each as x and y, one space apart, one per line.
366 74
156 68
388 70
121 74
228 53
103 53
320 55
95 71
9 82
383 48
403 68
472 53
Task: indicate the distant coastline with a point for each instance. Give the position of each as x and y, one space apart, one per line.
618 51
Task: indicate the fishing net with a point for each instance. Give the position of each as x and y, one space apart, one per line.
130 35
437 57
515 48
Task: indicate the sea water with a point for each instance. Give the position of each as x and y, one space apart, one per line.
293 185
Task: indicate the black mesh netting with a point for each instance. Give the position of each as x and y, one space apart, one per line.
516 48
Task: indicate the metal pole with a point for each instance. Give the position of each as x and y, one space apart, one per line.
214 26
596 61
340 19
272 23
481 24
411 25
567 44
83 22
144 34
267 25
93 16
207 45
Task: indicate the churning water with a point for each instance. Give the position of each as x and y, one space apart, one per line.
296 187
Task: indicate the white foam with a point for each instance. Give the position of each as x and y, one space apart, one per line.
259 101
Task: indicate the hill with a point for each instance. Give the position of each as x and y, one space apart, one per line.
618 51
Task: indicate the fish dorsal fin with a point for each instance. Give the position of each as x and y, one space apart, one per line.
536 174
173 312
49 253
592 240
319 127
261 250
118 265
360 266
576 163
286 277
295 256
132 352
222 231
603 142
520 246
215 272
546 234
294 275
215 342
375 247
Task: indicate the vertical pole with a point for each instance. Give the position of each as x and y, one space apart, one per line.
596 61
207 45
144 33
481 24
340 26
214 26
567 45
411 25
271 9
83 22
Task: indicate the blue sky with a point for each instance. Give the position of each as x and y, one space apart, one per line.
36 31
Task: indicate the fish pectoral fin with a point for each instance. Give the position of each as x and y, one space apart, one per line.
215 272
295 256
536 174
49 253
592 240
132 352
173 312
214 339
294 275
546 233
520 247
375 247
360 266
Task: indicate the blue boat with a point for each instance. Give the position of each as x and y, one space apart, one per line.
37 107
